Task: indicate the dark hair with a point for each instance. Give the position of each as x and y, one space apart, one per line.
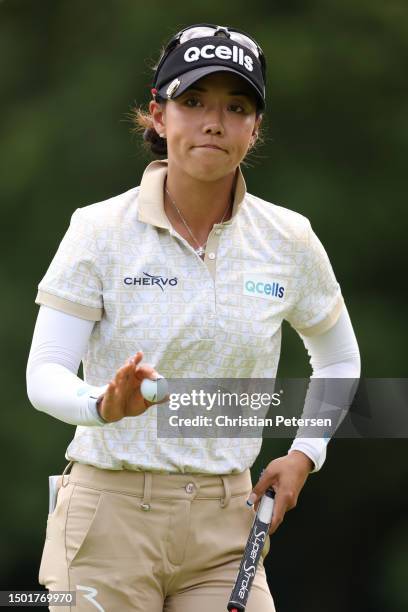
143 123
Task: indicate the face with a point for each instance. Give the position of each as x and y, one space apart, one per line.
210 127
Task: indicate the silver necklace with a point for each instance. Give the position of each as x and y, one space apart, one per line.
200 250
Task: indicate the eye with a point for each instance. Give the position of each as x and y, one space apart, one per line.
192 102
237 108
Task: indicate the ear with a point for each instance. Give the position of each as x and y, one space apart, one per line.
157 112
255 130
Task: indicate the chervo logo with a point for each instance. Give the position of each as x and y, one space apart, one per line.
150 280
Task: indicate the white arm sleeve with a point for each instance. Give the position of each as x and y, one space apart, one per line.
58 345
333 354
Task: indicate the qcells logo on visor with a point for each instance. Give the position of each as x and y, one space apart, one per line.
233 54
261 286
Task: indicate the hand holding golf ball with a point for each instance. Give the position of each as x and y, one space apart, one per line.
134 388
154 390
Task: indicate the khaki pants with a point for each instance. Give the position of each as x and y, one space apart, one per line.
145 542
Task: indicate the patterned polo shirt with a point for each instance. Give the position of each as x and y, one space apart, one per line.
122 265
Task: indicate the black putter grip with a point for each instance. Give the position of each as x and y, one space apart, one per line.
251 556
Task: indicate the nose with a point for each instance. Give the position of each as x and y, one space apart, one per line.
214 129
213 124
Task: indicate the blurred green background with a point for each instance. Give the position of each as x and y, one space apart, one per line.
336 135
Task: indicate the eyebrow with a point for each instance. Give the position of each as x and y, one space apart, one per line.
239 93
230 93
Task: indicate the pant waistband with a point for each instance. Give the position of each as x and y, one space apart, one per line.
151 485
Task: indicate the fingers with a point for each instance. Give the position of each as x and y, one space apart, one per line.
283 502
276 521
142 371
136 358
146 371
123 396
110 392
164 400
132 367
279 510
111 388
279 476
267 479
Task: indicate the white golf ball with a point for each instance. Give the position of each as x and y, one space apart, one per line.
154 390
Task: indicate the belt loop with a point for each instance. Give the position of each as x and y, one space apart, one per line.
147 492
70 464
226 499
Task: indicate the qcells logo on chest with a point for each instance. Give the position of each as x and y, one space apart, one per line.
150 280
261 286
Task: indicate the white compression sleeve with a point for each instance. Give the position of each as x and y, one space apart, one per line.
58 345
334 354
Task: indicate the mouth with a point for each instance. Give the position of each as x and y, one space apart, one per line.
210 146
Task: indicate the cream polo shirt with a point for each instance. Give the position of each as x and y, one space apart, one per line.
122 265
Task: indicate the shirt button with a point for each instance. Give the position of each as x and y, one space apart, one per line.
189 487
211 255
218 232
145 507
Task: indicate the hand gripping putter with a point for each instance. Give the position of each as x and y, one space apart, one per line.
252 553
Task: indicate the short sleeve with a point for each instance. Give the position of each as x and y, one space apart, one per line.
72 283
318 300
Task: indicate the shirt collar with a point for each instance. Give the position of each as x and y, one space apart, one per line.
151 209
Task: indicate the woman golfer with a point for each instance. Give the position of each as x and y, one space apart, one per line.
193 274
